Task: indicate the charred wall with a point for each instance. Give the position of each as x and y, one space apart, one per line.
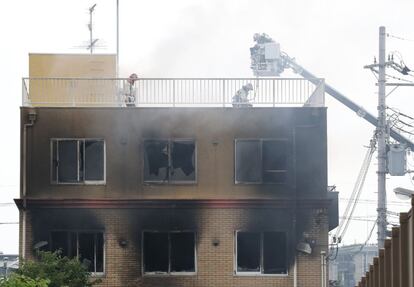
214 131
215 230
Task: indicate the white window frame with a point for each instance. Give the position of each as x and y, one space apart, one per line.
260 140
258 273
88 231
168 273
83 182
169 181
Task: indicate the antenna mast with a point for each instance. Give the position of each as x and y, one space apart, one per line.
92 41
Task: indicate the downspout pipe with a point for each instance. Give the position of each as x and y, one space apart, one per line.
323 269
32 119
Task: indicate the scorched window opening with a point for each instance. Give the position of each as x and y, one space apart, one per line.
170 161
261 161
169 253
87 246
261 253
78 161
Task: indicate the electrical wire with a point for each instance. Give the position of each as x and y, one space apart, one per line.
399 38
404 131
398 78
369 236
356 192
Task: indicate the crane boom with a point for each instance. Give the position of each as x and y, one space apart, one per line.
268 60
344 100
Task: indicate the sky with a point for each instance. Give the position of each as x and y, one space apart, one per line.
211 38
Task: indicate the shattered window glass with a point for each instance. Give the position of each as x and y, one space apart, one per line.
183 160
169 252
78 161
169 161
261 161
156 161
262 252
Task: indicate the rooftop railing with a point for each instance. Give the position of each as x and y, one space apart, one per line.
172 92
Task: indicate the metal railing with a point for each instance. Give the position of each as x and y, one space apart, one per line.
115 92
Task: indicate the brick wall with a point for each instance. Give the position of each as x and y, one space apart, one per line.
215 264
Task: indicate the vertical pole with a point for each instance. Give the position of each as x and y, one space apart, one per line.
90 30
382 138
117 38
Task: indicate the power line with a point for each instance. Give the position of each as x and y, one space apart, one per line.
372 201
399 38
369 236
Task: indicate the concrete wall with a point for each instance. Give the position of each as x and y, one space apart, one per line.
214 130
55 92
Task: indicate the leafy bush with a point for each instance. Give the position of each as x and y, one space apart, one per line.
17 280
60 271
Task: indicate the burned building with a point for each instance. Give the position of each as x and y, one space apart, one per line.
179 188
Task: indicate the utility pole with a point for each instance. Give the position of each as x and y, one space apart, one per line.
382 143
117 38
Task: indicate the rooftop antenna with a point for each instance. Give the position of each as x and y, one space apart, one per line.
92 41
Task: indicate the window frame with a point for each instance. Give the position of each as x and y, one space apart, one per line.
168 273
260 272
262 182
87 231
79 182
169 181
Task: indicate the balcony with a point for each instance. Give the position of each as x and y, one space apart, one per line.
170 92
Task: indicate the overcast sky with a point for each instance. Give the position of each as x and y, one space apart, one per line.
211 38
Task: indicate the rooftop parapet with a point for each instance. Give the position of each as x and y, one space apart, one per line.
171 92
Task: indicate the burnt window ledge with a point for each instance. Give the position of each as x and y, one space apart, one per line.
261 253
254 274
173 274
170 253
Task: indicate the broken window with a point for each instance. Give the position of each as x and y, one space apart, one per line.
78 161
261 252
261 161
169 161
169 252
88 247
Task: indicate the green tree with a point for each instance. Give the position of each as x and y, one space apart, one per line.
18 280
59 270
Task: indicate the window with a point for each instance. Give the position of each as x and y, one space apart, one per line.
78 161
261 252
261 161
169 252
169 161
87 246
